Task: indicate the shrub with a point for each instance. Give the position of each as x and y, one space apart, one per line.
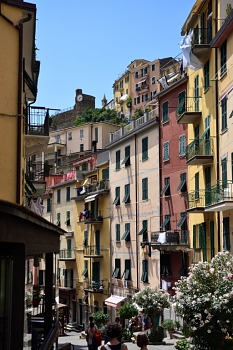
157 335
100 318
182 344
168 325
127 311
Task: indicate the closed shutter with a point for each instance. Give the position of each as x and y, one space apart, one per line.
212 253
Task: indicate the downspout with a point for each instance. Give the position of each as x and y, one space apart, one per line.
217 125
136 207
19 123
160 183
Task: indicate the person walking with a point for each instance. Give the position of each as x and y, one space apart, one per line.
90 337
142 341
113 331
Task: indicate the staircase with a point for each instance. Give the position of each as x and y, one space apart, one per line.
178 335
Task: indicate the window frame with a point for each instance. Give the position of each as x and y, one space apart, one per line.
145 189
166 152
145 148
126 198
165 114
118 160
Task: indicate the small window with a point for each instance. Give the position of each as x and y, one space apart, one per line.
145 189
126 198
117 271
85 270
48 205
118 233
67 194
166 152
84 167
126 235
85 239
58 223
153 80
166 189
207 75
152 67
165 112
145 148
166 225
224 113
196 185
58 196
81 134
182 145
127 272
67 222
223 68
144 277
118 158
144 231
81 147
69 135
182 185
117 196
126 161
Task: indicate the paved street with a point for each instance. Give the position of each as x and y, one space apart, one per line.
80 344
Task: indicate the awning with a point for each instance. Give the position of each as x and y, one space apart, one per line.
172 78
114 300
124 97
91 198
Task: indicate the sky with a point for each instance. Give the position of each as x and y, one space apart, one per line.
88 44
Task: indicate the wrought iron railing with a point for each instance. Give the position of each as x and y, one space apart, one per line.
93 216
170 237
199 147
92 250
66 254
202 36
37 121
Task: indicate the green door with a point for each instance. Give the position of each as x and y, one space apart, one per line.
208 186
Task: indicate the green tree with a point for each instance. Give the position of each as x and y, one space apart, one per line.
127 311
99 115
100 318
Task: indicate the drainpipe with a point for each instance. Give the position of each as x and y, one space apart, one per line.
217 124
136 206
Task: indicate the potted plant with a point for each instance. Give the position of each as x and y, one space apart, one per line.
182 344
169 326
156 336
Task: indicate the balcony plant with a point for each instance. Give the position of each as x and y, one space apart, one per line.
169 326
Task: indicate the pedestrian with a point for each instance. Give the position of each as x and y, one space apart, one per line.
142 341
118 321
104 332
91 319
90 337
113 331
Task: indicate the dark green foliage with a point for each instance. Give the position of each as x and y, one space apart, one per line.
157 335
128 311
94 115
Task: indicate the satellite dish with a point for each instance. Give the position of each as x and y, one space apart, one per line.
79 98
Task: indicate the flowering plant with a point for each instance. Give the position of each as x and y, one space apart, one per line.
152 301
182 344
205 300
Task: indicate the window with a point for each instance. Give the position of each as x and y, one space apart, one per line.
68 242
48 205
118 158
58 196
118 233
136 75
194 237
85 239
58 138
144 71
196 93
145 148
145 98
85 270
126 160
95 275
212 253
127 272
81 147
153 94
67 222
207 75
182 145
182 220
105 174
41 277
153 67
153 80
224 172
224 113
165 112
223 68
226 234
166 189
137 99
166 156
196 185
126 198
183 185
69 135
144 231
117 271
145 189
126 235
144 277
181 103
58 223
117 196
81 133
96 135
67 194
166 224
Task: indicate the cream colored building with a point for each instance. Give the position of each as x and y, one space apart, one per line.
135 209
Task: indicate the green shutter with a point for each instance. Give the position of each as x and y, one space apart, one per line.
127 269
145 189
68 242
203 243
95 274
65 278
97 242
182 145
196 185
165 111
207 75
196 94
226 234
145 148
194 237
118 234
58 220
144 277
118 158
71 278
212 253
67 222
224 173
48 205
85 240
105 174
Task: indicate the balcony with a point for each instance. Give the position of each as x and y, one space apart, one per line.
168 239
201 42
220 197
66 254
200 152
197 201
93 251
94 217
102 186
37 130
95 286
187 113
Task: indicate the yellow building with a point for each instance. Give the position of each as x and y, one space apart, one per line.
208 138
122 93
93 239
23 234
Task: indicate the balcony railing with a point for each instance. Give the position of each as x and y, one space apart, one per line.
37 121
188 112
98 186
96 286
170 238
94 217
201 41
133 125
66 254
93 251
199 151
219 197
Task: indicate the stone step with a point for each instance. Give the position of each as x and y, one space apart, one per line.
178 335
